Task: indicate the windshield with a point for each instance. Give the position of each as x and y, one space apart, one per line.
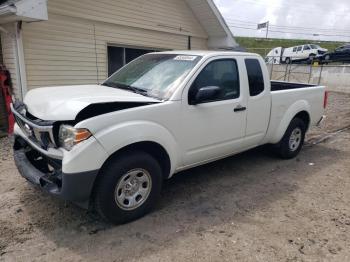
343 47
155 75
315 46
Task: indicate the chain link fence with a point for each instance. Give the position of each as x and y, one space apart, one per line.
334 77
298 73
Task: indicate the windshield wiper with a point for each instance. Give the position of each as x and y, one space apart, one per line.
138 90
134 89
110 84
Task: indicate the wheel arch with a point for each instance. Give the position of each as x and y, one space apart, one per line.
305 116
153 148
299 109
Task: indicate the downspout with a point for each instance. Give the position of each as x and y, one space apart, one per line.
21 70
189 43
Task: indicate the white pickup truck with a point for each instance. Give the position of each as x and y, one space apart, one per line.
110 146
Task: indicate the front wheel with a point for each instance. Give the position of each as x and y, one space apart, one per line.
293 139
312 58
128 187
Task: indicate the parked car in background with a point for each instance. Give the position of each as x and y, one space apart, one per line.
340 54
110 146
301 53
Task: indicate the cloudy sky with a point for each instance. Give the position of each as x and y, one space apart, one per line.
314 19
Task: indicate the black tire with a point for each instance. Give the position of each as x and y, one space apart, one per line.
110 177
288 61
284 148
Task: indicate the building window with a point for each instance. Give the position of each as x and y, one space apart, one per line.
119 56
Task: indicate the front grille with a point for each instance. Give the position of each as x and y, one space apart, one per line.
41 135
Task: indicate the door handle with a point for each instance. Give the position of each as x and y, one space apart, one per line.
239 108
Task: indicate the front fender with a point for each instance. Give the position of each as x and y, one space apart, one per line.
292 111
120 135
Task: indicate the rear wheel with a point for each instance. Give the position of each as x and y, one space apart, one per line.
293 139
128 187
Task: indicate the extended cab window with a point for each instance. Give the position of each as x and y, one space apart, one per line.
294 49
299 48
221 73
255 77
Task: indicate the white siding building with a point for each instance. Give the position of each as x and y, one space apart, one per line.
64 42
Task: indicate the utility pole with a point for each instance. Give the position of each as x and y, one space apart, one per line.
267 28
264 25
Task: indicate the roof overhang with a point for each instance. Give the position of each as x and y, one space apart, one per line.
219 34
23 10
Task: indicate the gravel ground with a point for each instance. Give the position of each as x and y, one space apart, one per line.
250 207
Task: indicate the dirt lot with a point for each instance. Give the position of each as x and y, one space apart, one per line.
251 207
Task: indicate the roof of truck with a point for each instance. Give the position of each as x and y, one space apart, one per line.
208 53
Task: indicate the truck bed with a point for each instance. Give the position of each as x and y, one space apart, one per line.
280 85
286 101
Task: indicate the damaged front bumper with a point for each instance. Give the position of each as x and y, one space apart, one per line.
46 172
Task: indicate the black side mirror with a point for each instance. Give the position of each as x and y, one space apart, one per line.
206 93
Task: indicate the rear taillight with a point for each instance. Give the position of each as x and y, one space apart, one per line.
325 99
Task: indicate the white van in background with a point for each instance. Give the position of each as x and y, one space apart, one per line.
302 52
274 56
299 53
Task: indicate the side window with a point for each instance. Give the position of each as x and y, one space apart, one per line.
306 47
294 49
222 73
340 49
255 77
299 48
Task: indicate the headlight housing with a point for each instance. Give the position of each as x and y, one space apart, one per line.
69 136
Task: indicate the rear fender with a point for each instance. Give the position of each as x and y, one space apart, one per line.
291 112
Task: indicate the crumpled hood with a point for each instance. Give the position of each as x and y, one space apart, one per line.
65 102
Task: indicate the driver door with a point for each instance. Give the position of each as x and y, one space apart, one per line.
214 127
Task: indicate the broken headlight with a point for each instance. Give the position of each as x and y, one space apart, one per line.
69 136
